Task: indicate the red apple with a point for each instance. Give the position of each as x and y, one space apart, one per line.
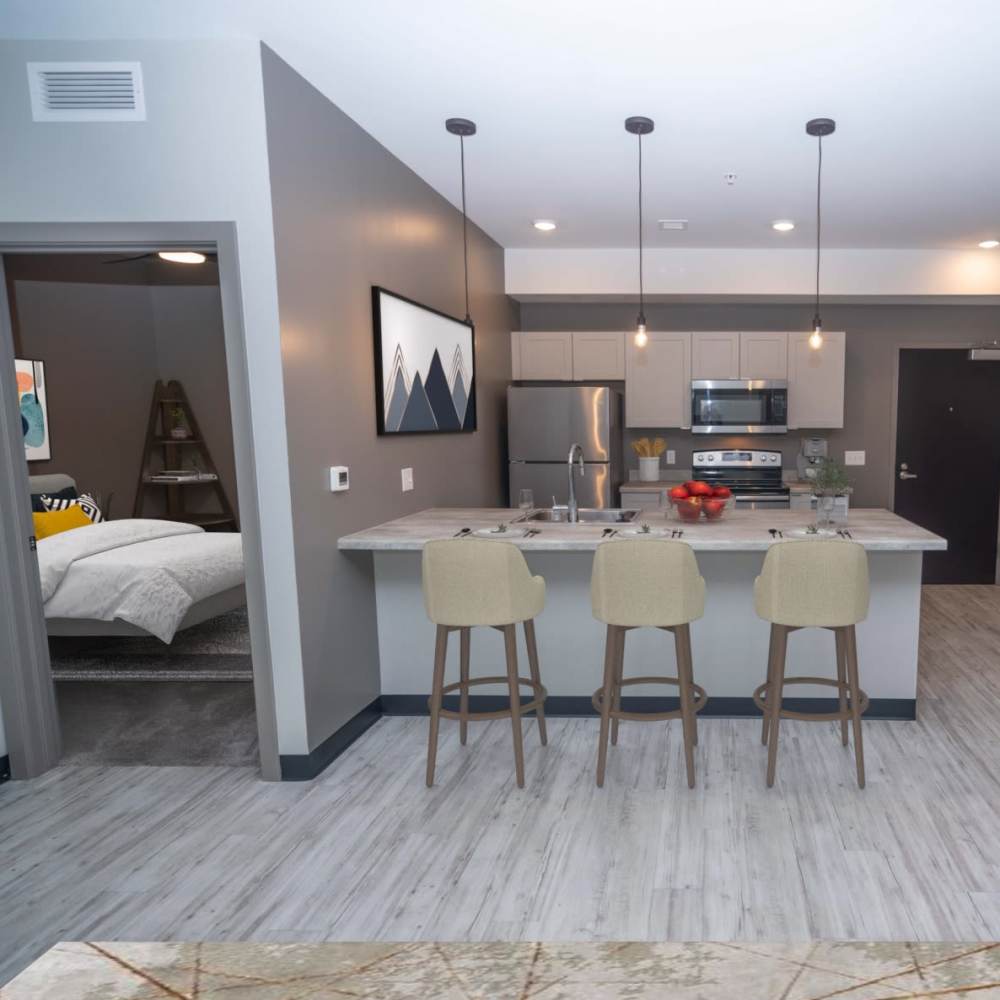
689 509
722 492
713 508
698 489
678 493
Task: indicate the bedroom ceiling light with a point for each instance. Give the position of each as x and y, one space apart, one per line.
182 256
639 126
783 225
545 225
463 127
818 127
989 244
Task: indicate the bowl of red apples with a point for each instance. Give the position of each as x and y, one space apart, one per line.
696 499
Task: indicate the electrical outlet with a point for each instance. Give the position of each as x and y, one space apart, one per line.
407 476
671 457
854 458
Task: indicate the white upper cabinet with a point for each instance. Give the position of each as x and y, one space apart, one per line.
764 355
598 356
658 381
816 381
542 356
715 355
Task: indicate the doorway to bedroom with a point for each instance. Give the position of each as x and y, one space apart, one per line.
124 401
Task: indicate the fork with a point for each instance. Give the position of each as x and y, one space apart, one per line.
463 531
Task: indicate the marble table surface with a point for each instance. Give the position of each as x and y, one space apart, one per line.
740 531
511 971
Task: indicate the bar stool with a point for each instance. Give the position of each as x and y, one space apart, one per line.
647 583
813 584
468 582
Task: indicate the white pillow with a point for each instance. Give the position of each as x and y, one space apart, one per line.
85 502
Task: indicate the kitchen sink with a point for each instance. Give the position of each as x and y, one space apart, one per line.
587 515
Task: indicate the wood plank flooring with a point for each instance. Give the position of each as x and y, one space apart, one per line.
366 852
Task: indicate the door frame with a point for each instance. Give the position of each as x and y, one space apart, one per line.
27 695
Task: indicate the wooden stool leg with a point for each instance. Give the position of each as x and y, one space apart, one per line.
779 636
851 644
510 642
682 644
536 676
770 681
440 652
619 674
463 707
838 635
610 672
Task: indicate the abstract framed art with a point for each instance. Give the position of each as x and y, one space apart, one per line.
33 404
425 368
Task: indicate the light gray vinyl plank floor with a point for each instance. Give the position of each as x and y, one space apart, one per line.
366 852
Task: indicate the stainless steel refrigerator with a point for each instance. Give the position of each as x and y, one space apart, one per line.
543 422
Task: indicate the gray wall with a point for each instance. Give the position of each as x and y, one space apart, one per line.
104 346
874 335
347 215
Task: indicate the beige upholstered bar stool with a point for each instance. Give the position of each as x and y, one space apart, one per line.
647 583
813 584
470 582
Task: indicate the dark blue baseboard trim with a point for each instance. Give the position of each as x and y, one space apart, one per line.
4 768
305 767
579 706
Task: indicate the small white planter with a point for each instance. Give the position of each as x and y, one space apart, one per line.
649 470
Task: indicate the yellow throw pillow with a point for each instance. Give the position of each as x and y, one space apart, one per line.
56 521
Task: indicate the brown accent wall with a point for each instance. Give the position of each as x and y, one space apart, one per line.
347 215
874 335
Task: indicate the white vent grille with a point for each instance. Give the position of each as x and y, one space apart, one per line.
86 92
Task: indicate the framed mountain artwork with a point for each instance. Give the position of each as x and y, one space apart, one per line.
32 403
425 368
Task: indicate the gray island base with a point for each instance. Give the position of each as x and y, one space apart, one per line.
729 643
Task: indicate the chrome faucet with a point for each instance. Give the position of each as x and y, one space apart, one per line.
573 512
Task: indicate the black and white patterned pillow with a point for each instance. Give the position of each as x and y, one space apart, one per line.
85 502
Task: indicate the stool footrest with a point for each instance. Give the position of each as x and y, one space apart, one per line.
836 716
700 700
538 690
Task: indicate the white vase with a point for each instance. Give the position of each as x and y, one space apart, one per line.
649 470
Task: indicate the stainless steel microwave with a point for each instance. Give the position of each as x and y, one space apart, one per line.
739 406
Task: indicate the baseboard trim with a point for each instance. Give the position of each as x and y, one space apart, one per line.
4 768
580 706
306 766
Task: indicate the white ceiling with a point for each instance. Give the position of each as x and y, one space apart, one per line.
913 84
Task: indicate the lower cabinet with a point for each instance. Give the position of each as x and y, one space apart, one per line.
644 500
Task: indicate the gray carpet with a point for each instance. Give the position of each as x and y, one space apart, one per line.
169 723
218 649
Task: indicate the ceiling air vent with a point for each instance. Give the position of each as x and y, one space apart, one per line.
86 92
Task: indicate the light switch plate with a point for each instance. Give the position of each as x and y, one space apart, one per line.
671 457
854 458
407 476
340 478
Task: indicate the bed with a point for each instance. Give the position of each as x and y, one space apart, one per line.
137 576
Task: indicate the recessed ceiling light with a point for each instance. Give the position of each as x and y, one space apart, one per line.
545 225
783 225
673 223
182 256
989 244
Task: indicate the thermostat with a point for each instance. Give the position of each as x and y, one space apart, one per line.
340 479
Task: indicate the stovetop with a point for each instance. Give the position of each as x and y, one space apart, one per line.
744 471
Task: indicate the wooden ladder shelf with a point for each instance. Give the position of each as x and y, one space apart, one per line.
163 451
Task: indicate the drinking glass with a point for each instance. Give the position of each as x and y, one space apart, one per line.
526 500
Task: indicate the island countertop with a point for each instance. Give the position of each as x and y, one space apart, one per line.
878 530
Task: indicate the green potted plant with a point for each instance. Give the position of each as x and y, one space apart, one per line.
832 489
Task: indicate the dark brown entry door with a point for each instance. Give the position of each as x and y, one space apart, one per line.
948 459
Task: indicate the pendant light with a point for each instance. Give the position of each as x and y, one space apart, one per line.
639 126
818 127
463 127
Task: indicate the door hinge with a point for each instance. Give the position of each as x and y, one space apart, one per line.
32 543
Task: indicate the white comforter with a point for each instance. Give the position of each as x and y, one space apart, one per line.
145 572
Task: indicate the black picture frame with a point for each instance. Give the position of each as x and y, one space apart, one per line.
468 421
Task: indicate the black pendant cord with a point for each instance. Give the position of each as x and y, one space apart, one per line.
465 233
642 310
819 227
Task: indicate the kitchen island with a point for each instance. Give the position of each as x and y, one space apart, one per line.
729 643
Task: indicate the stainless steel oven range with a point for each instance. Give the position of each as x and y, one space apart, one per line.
753 476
